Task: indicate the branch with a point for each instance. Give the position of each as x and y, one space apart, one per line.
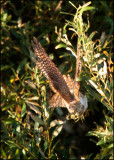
78 70
58 6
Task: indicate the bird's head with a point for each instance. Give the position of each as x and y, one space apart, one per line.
77 109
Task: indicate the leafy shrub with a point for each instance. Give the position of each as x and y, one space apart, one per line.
29 130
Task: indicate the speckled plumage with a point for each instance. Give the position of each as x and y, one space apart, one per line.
63 86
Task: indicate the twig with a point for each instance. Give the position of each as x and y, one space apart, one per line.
58 6
78 70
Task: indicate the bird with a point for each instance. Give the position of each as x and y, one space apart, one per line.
66 90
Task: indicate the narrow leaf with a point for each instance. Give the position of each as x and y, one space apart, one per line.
37 119
60 46
23 110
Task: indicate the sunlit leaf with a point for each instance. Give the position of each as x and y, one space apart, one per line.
37 119
86 4
32 85
33 103
33 98
101 142
98 97
57 130
91 35
57 122
111 146
60 46
36 125
86 9
72 4
3 153
23 110
34 108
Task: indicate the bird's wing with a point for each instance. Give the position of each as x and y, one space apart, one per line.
57 101
51 72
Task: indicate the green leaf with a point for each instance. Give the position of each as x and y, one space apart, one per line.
82 78
34 108
45 145
9 122
37 119
98 97
5 67
87 4
111 145
32 85
86 9
4 17
11 114
11 144
38 138
17 35
21 65
42 153
6 107
56 122
101 142
36 125
17 153
3 153
91 36
60 46
72 4
57 130
23 110
110 120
